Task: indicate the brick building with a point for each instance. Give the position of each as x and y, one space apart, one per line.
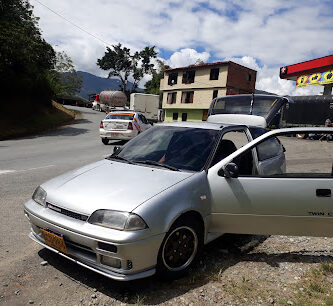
188 91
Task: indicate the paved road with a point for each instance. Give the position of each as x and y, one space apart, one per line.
27 162
24 164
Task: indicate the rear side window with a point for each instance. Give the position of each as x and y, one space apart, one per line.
143 118
256 132
231 141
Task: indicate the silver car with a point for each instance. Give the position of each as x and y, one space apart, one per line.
122 125
172 189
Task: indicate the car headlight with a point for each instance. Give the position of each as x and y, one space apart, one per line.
39 196
117 220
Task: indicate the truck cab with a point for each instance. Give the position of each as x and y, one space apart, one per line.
255 110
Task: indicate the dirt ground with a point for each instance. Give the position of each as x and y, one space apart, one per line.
234 270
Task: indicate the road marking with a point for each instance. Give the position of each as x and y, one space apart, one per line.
24 170
6 171
36 168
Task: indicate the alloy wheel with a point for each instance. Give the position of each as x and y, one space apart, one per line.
180 248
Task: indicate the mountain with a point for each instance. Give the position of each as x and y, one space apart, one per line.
92 84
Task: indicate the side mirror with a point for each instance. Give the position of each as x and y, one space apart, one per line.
230 171
116 149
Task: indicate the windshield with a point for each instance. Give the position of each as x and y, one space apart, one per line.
179 147
242 105
120 116
261 106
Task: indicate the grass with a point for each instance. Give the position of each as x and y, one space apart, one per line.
140 300
317 287
314 288
327 267
39 120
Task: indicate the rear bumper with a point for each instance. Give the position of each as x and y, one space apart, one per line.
118 135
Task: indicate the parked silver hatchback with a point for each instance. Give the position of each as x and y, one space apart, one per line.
189 183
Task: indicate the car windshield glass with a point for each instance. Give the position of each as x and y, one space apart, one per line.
261 106
120 116
241 105
183 148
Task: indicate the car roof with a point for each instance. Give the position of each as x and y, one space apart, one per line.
123 112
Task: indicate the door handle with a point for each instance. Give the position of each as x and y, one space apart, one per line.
323 192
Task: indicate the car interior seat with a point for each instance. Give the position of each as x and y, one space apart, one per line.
226 147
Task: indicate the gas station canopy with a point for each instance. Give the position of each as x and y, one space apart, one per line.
314 72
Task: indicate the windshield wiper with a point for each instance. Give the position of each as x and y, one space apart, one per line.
155 163
120 158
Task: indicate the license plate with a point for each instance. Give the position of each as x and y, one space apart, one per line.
55 241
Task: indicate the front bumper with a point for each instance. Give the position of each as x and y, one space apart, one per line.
135 259
118 135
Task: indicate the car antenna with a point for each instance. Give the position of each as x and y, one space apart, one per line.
251 107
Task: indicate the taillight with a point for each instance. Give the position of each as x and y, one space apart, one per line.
101 125
130 126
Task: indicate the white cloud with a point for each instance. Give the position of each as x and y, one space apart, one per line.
246 61
272 33
186 57
268 79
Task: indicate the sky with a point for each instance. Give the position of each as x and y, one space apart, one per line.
260 34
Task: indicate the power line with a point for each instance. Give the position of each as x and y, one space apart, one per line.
72 23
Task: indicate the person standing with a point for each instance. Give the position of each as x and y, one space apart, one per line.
328 122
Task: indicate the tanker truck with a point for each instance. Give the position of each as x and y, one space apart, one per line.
109 99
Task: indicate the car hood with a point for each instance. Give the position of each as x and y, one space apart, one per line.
109 185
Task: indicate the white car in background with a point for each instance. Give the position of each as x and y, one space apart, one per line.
122 125
96 106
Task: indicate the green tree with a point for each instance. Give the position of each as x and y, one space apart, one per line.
123 64
153 86
25 57
199 61
64 78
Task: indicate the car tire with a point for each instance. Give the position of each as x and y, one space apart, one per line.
180 249
105 141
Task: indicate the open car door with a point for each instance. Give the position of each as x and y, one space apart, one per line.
289 197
